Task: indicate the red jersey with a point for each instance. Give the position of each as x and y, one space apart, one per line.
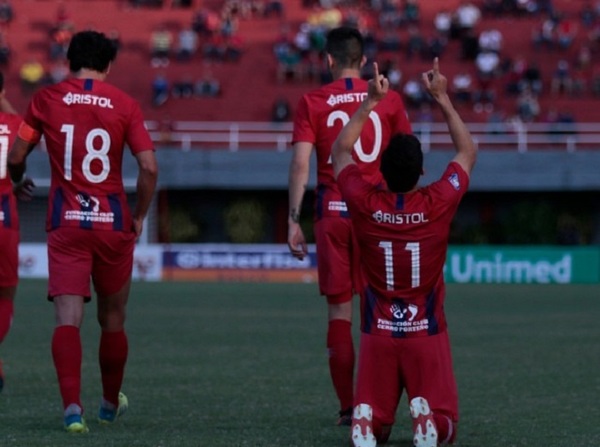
403 240
320 116
86 124
9 126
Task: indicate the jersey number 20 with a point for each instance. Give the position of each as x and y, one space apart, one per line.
360 153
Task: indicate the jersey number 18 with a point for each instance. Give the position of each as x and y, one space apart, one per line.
100 154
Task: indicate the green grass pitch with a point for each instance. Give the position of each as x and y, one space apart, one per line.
245 365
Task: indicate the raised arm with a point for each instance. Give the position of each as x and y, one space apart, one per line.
298 181
436 85
341 151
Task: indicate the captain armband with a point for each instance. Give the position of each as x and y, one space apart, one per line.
28 133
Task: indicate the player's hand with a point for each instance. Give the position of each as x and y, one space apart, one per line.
296 241
138 226
435 82
24 189
378 86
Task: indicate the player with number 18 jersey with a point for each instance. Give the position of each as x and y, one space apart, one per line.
90 123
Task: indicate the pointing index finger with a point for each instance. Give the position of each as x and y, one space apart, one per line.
376 69
436 66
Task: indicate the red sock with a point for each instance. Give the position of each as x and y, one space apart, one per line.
341 361
112 356
445 427
6 316
66 352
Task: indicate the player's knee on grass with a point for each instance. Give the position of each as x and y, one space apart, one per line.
446 428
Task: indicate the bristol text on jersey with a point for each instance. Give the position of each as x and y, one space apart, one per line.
399 218
346 98
79 98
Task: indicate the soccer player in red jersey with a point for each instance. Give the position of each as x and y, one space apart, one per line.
320 116
86 123
9 220
403 237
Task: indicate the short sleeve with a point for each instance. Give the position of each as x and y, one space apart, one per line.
448 191
353 187
137 136
401 122
303 130
32 114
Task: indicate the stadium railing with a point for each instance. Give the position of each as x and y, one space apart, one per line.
521 137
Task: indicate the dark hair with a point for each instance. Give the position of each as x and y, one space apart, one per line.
346 46
1 81
92 50
402 162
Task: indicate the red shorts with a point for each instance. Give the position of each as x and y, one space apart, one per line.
338 260
9 258
421 365
75 255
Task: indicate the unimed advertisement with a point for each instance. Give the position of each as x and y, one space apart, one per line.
522 265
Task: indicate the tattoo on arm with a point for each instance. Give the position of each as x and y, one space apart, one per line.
295 215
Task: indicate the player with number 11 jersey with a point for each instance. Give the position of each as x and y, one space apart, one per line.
89 120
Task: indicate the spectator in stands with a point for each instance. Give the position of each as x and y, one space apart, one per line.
528 106
588 14
160 90
415 44
60 35
183 87
515 75
462 87
187 44
469 44
6 13
59 71
562 82
466 17
532 78
436 45
331 17
32 75
161 41
412 13
487 64
545 34
391 70
281 110
390 15
5 51
205 22
208 85
495 8
302 40
414 93
229 24
490 39
566 32
389 40
442 22
273 7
